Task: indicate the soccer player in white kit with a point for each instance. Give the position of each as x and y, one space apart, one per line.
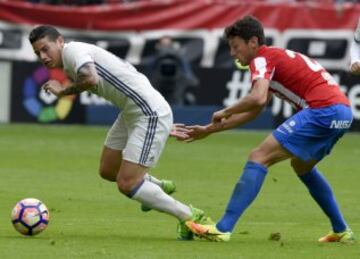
355 52
136 139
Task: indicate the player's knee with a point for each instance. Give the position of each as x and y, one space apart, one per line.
125 185
256 155
298 167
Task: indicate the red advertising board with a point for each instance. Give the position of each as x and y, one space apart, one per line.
183 14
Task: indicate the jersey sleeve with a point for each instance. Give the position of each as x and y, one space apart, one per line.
260 67
76 57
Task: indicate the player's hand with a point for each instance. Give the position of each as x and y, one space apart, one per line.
197 132
355 68
54 87
219 116
180 132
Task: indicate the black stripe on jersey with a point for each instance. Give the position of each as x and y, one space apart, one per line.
118 84
150 134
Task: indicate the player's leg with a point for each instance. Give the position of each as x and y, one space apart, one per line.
130 180
250 182
111 156
274 148
321 191
168 187
110 163
245 191
143 149
321 134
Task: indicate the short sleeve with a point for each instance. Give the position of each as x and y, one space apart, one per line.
261 68
75 57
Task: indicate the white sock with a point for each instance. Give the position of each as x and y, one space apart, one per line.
152 179
154 197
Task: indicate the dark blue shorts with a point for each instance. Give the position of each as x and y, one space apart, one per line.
310 134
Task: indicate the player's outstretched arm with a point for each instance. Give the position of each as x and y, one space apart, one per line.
197 132
236 115
256 99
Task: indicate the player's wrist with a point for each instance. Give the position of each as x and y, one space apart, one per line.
209 128
227 112
212 128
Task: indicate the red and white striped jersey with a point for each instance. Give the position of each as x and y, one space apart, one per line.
296 78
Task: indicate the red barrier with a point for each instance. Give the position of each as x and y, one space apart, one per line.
182 14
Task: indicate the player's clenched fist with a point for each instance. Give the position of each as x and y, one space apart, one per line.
219 116
54 87
355 68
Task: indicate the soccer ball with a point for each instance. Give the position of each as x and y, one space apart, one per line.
30 216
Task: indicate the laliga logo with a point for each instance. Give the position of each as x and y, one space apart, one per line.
38 103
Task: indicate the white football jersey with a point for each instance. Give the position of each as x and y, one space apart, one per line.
119 82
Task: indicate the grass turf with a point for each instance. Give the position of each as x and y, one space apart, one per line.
90 219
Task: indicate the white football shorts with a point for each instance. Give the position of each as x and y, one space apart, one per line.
141 139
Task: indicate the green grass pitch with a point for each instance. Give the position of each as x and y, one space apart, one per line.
89 218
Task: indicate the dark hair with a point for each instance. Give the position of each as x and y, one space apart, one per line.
246 28
42 31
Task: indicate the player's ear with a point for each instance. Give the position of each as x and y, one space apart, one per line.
60 40
254 41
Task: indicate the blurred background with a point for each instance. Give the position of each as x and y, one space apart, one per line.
178 44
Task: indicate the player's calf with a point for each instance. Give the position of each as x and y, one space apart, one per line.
167 186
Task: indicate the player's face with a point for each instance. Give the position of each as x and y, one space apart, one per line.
241 50
49 52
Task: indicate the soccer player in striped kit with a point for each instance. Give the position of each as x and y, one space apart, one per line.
323 116
136 139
